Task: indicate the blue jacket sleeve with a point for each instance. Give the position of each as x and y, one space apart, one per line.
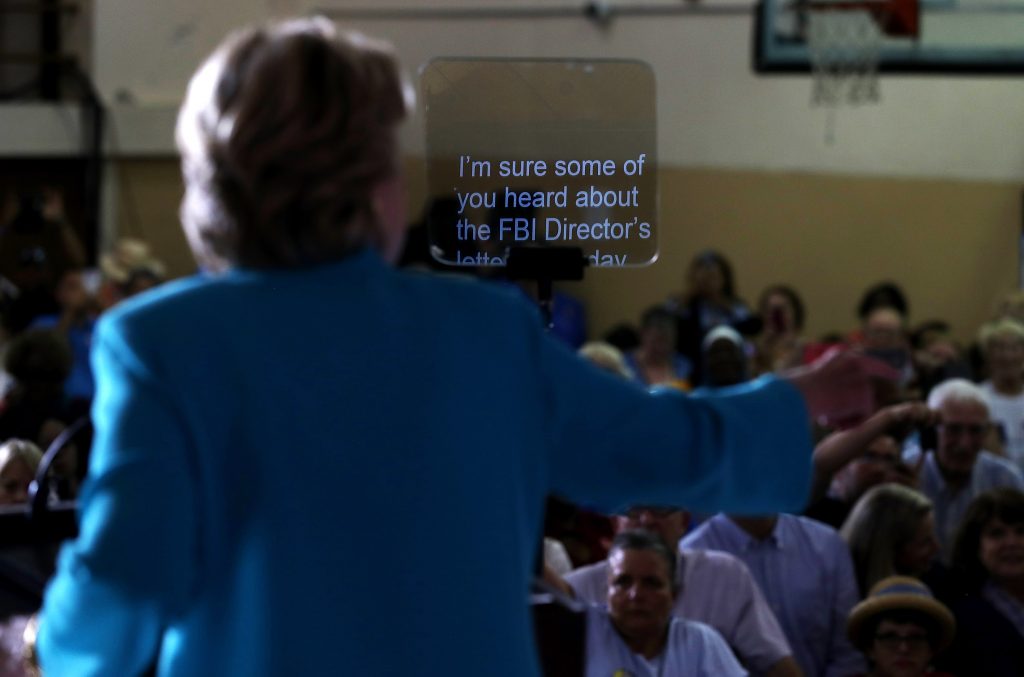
745 449
133 565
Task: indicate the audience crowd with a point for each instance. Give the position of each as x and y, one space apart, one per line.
909 557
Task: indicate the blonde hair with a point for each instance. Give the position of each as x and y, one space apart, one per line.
284 132
885 519
1001 328
20 450
606 356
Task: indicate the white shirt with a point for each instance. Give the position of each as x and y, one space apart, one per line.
1008 413
692 650
714 588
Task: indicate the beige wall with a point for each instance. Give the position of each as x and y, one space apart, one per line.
951 244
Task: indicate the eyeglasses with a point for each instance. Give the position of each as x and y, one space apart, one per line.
958 429
893 640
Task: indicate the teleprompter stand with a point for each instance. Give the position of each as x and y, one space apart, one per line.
559 621
545 265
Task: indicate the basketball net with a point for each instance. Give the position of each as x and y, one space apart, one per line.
844 46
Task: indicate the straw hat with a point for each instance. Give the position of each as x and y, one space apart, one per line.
900 593
129 257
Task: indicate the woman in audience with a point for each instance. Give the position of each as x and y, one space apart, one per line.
780 345
19 460
655 361
901 628
1002 343
989 556
709 301
891 531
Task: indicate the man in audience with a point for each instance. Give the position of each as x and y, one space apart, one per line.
805 571
849 462
960 469
714 588
637 635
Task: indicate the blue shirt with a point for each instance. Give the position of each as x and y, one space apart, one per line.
79 384
950 505
691 650
806 573
342 470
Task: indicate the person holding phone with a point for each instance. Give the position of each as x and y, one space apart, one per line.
780 345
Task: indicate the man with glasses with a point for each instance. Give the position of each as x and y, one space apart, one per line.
960 469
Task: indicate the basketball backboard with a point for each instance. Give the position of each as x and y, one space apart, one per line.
917 36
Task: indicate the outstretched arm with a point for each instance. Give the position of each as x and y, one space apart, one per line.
842 447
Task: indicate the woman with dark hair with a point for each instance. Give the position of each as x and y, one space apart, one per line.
277 445
988 555
780 345
709 301
655 361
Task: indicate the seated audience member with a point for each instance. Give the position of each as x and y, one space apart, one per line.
637 634
608 357
989 556
891 531
901 628
19 460
780 345
76 321
724 358
960 469
655 361
38 362
710 300
882 295
1002 343
713 587
1010 306
884 336
937 356
883 313
849 462
806 574
128 269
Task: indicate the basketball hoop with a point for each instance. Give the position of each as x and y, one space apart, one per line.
844 41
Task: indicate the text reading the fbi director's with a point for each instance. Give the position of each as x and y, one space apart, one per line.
584 186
